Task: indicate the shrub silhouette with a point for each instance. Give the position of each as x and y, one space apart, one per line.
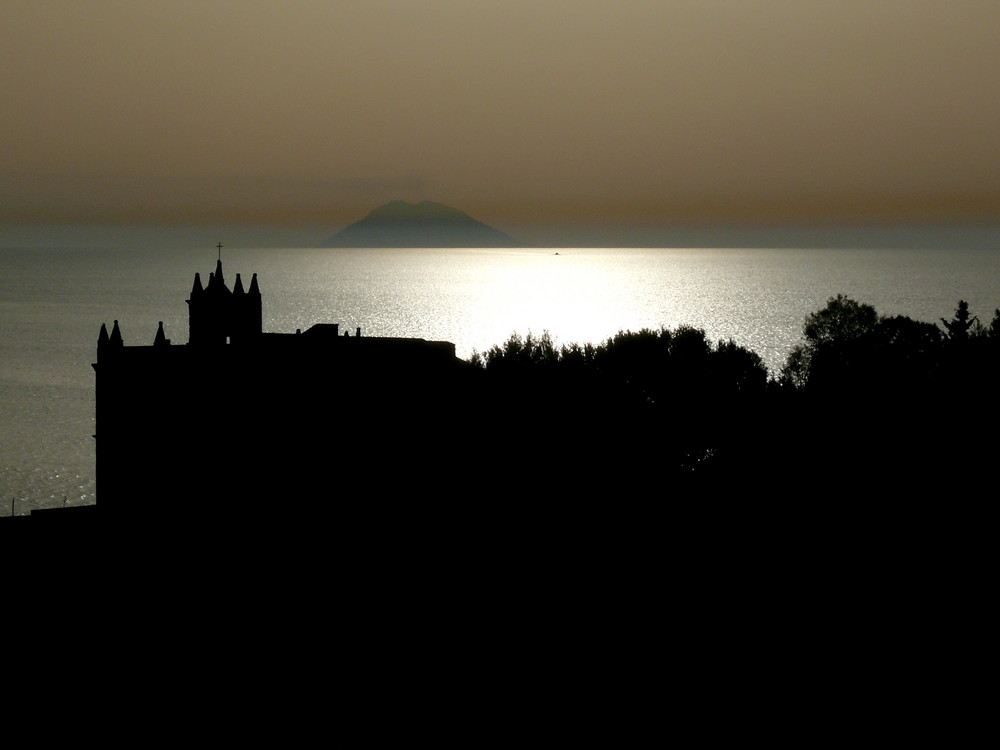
994 329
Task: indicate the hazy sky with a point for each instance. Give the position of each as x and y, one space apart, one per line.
518 111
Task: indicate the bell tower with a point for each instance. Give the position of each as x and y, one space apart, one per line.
218 315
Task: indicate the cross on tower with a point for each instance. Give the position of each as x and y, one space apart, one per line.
220 250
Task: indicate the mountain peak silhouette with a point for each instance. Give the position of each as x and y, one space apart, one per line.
425 224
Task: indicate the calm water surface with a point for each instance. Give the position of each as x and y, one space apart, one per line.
53 301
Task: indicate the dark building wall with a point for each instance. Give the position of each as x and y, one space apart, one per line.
235 428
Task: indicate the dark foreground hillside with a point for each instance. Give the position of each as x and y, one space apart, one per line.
562 532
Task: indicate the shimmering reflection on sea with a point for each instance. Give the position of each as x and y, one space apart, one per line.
52 303
477 298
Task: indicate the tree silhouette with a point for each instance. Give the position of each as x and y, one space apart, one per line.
664 399
860 405
834 338
961 326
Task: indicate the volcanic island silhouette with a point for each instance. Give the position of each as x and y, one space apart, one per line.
424 224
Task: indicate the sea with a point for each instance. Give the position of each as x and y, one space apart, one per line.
53 301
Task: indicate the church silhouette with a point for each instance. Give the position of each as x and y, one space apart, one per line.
304 432
240 422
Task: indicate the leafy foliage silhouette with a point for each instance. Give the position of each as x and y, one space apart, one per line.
669 398
858 406
962 326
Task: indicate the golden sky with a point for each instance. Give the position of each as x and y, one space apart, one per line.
520 112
